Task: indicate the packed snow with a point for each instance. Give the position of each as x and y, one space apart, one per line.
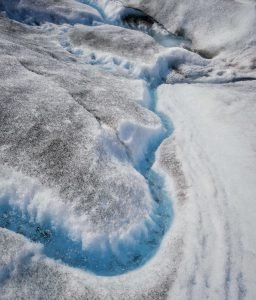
215 138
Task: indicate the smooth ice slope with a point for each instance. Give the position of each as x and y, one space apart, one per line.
215 139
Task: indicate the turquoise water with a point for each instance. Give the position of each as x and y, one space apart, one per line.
101 259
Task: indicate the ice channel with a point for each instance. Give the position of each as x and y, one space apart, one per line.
130 255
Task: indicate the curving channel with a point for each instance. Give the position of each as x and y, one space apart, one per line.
57 243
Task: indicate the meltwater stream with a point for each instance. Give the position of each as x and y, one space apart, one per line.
100 260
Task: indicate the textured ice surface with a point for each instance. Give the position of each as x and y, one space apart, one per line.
81 123
211 25
35 12
105 255
66 145
113 40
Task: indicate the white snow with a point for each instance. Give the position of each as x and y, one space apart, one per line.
215 140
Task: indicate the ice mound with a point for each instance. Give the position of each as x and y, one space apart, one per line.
120 14
109 39
165 62
140 141
211 25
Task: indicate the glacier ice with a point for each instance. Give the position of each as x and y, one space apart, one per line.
37 12
66 143
88 163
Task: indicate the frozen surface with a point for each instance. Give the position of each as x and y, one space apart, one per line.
66 146
36 12
118 179
215 140
211 25
113 40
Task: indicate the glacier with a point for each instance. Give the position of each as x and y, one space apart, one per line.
127 149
